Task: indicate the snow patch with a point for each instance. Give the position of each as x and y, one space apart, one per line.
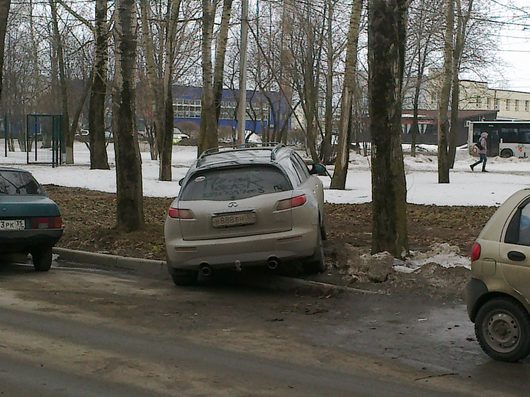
445 255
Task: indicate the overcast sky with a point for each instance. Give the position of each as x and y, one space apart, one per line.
514 46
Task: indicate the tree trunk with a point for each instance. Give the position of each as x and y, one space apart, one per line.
338 181
460 39
96 107
220 53
326 149
387 21
130 212
445 93
68 136
4 13
208 138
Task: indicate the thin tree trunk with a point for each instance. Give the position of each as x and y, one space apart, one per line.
96 107
208 132
220 53
387 23
325 150
130 212
4 13
68 136
166 151
338 181
445 93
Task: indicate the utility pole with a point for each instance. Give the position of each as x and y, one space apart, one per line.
241 112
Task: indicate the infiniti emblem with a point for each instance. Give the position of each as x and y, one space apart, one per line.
232 204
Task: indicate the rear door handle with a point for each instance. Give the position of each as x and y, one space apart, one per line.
516 256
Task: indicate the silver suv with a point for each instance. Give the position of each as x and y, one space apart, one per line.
244 207
498 294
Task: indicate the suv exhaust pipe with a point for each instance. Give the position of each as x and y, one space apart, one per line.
273 263
206 270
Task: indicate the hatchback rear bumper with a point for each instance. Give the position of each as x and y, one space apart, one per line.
245 251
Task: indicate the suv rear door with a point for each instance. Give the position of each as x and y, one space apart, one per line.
235 201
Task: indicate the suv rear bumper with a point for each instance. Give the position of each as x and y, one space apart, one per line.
475 289
249 251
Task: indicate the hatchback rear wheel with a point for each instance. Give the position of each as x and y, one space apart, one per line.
42 259
502 328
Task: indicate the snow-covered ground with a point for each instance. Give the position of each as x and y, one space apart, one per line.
467 188
505 176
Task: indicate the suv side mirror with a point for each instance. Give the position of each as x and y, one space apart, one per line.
318 169
180 181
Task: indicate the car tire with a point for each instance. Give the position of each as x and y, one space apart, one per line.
42 259
502 327
316 263
183 277
506 153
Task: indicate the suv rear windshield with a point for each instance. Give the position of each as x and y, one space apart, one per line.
18 183
235 183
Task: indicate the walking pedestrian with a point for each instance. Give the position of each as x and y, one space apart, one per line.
482 146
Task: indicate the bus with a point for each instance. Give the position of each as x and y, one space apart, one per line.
505 138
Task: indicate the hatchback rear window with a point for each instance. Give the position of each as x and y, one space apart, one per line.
235 183
19 183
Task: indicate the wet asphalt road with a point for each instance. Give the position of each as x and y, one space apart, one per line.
76 333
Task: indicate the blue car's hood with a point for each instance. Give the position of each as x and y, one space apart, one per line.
23 206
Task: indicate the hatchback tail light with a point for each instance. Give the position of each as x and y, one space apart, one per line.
475 252
178 213
292 202
52 222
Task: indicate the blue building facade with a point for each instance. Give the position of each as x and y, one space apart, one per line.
262 109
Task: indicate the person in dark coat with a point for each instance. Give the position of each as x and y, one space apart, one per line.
482 152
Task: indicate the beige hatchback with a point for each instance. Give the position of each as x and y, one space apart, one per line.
245 207
498 295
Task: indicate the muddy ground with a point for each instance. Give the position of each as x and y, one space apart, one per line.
90 218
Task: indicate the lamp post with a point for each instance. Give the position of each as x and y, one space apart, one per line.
242 110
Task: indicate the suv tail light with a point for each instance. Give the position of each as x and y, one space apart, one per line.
53 222
475 252
178 213
292 202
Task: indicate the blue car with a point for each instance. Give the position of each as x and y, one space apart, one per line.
30 222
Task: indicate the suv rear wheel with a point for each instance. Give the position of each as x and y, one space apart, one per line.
183 277
316 263
502 328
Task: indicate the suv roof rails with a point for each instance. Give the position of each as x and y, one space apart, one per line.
246 146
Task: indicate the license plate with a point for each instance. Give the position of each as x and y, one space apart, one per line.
16 224
234 219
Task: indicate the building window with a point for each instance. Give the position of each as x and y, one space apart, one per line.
488 102
526 106
507 104
479 102
496 104
517 105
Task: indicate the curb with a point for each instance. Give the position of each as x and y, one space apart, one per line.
157 269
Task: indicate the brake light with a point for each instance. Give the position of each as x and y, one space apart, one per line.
53 222
291 203
475 252
178 213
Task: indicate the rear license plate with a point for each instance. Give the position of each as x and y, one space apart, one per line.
234 219
16 224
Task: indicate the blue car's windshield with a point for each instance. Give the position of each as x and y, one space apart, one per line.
19 183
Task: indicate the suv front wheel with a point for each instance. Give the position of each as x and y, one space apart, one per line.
502 328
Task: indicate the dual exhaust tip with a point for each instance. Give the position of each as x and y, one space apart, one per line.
206 270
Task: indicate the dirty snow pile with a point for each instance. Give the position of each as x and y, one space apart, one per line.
444 255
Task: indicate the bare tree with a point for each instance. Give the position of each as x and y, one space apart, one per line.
445 93
130 213
338 180
387 22
4 13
